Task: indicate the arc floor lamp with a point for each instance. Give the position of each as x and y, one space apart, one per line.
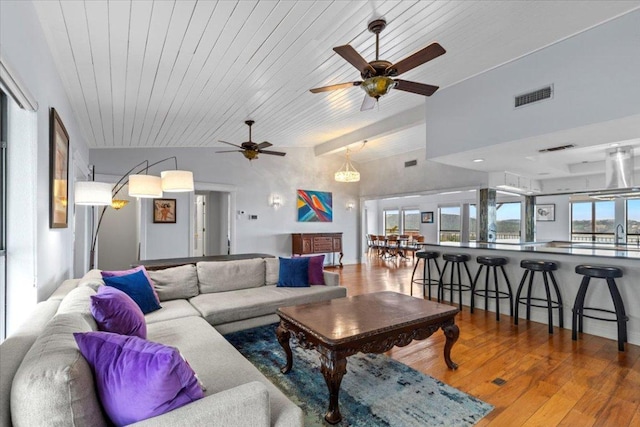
141 184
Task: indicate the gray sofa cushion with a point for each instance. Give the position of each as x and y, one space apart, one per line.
54 384
224 307
174 309
219 365
77 301
176 282
14 348
272 271
230 275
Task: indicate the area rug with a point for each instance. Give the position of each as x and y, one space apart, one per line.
375 391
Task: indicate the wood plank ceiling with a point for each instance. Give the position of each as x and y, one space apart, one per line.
188 73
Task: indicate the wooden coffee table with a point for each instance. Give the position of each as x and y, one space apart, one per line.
370 323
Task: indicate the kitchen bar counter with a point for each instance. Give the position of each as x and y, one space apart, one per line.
604 250
568 256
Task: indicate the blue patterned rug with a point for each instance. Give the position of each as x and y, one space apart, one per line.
376 390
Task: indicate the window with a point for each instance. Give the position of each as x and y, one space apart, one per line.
411 222
633 222
449 224
391 222
593 222
3 214
508 222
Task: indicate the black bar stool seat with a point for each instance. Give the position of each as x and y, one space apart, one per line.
492 263
531 266
454 259
426 281
609 274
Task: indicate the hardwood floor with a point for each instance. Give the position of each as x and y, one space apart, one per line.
550 379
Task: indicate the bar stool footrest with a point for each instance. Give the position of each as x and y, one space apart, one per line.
554 304
492 294
602 310
426 282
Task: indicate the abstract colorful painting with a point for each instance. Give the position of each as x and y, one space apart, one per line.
314 206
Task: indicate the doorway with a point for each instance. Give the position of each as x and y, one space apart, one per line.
211 231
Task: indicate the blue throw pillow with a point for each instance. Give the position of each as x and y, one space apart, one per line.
294 273
137 287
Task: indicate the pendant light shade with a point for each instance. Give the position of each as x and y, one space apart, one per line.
177 181
93 193
145 186
347 173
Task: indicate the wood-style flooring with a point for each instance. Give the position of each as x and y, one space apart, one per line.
549 379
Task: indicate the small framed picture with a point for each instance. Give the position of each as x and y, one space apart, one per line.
426 217
164 211
546 212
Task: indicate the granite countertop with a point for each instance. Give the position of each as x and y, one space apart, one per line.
604 250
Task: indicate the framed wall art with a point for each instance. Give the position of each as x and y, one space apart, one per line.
164 211
546 212
426 217
58 172
315 206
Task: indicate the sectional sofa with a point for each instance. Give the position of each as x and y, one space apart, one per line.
44 380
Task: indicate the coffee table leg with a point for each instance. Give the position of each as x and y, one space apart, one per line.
333 369
283 338
452 332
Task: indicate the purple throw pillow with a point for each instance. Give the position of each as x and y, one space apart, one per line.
118 273
137 379
116 312
316 273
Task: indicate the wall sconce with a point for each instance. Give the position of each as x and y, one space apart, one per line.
350 206
275 201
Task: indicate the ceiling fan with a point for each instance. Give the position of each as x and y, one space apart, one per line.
250 149
377 75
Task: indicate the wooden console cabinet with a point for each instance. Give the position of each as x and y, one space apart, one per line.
317 243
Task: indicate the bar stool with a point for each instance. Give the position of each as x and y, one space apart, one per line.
492 263
426 280
609 274
455 260
547 268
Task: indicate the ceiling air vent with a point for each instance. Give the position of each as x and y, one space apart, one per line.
535 96
558 148
410 163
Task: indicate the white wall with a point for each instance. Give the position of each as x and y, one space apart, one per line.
388 176
43 257
254 184
595 78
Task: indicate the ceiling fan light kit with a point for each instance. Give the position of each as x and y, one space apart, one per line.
377 75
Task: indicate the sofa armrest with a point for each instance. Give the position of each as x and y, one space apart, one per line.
241 406
331 278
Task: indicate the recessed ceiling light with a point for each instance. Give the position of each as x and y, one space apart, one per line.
615 144
478 160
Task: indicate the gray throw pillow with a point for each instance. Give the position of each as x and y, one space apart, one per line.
175 282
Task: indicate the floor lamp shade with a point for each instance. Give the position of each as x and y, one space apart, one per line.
145 186
92 193
175 181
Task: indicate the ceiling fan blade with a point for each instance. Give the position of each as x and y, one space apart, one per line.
334 87
368 103
264 144
354 58
413 87
275 153
230 151
420 57
225 142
